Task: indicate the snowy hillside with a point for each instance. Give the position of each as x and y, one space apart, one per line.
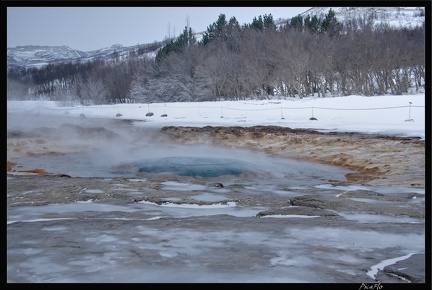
37 56
33 55
394 16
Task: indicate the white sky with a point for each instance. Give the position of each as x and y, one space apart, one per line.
92 28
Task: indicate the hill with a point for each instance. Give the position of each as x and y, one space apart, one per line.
38 56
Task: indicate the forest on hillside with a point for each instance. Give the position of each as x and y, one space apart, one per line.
307 56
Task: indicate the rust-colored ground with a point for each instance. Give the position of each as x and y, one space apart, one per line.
378 159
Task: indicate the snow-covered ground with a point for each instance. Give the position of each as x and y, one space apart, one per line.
402 115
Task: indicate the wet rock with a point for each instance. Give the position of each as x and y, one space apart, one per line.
407 270
315 201
298 210
217 185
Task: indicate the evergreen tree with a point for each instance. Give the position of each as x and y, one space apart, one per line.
257 24
269 22
329 19
330 25
313 24
185 39
296 22
232 27
215 30
316 25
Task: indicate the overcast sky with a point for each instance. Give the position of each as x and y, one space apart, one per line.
92 28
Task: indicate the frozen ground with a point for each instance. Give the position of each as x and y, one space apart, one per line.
286 220
139 230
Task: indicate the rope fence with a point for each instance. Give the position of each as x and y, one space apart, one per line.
200 109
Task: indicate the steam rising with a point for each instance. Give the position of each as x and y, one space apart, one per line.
106 147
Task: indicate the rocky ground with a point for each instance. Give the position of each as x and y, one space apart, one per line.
376 160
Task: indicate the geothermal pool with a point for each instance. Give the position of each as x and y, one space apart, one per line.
186 162
139 208
111 148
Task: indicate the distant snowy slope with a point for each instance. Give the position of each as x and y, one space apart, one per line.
394 16
37 56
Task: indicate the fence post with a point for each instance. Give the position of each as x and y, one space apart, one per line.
409 114
313 118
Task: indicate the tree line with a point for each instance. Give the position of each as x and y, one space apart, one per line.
305 56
